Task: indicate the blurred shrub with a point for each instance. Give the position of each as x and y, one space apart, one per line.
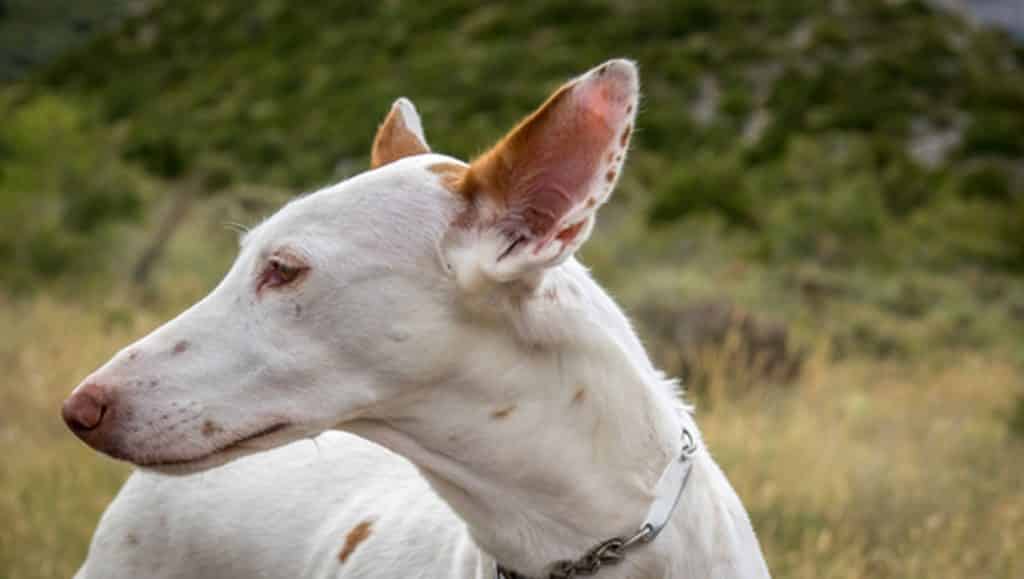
987 180
717 345
995 132
1017 417
157 152
708 183
62 189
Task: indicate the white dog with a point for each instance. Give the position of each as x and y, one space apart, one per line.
506 418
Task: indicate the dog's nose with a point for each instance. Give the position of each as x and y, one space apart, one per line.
84 409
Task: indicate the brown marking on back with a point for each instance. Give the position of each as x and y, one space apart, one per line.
504 412
133 354
581 393
357 535
131 539
180 347
394 141
610 175
210 428
624 139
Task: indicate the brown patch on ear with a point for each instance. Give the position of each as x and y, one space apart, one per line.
504 412
357 535
494 173
544 166
451 174
394 141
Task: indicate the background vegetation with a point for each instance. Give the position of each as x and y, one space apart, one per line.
821 228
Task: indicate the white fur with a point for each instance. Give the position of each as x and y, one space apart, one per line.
534 422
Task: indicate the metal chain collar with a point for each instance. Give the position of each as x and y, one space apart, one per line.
613 550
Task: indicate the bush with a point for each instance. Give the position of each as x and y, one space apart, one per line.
999 132
707 184
62 188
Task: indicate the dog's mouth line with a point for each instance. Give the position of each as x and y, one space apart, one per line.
265 432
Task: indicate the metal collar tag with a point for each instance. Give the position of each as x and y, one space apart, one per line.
669 489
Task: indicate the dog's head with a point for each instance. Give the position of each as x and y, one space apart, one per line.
359 295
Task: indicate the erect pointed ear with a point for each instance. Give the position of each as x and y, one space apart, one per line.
400 135
534 195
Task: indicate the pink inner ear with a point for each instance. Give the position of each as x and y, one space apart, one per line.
551 172
560 162
605 101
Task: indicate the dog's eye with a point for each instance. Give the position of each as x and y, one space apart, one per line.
280 273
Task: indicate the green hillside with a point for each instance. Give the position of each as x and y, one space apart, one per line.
782 118
34 32
869 154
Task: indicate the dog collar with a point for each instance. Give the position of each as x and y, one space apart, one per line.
666 496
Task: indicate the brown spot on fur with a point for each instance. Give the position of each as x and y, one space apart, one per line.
133 354
504 412
591 202
580 395
357 535
210 428
629 109
624 139
610 175
569 233
131 539
180 347
394 141
451 174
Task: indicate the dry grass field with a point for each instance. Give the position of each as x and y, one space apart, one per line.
861 469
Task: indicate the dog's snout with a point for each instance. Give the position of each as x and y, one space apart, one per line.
83 411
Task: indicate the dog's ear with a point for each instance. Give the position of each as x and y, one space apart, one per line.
400 135
534 195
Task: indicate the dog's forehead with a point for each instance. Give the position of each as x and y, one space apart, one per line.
410 192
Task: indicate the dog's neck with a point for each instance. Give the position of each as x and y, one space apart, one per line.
545 454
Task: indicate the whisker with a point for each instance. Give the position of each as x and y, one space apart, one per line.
237 227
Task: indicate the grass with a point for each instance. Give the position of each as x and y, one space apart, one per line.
881 470
860 469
